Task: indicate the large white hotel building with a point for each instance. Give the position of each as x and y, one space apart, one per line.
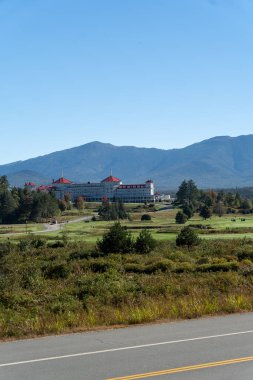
110 188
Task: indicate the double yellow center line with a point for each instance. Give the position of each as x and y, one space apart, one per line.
184 369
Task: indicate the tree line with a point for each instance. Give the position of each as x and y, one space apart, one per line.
192 200
20 205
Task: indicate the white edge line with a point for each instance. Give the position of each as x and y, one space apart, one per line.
124 348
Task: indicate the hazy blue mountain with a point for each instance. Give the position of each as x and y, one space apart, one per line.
217 162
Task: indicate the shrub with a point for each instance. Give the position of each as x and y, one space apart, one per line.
80 255
145 242
181 218
187 237
145 217
245 255
30 241
219 267
134 268
57 271
184 268
116 240
188 210
103 265
56 244
163 265
5 248
205 212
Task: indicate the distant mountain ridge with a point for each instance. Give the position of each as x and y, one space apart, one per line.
218 162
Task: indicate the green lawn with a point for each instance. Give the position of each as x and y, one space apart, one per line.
162 226
20 228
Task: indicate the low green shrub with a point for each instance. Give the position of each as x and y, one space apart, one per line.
245 254
145 217
163 265
57 271
219 267
134 267
184 268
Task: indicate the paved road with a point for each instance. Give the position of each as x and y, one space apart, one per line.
55 227
163 351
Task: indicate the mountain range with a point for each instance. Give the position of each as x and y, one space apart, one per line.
219 162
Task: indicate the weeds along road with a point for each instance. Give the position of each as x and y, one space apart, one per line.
210 348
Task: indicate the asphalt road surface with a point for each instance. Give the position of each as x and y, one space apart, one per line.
211 348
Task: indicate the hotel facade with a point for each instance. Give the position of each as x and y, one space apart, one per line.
110 188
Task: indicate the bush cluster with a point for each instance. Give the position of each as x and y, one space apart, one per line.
119 240
51 290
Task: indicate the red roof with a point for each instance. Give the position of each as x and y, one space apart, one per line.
62 180
32 184
111 179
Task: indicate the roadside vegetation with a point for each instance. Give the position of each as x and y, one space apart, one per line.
128 264
50 287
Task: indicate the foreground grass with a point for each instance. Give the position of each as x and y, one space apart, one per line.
50 289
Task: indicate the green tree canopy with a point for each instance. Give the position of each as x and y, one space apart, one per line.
187 237
145 243
112 211
181 218
187 193
116 240
205 212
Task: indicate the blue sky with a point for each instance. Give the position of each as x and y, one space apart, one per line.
162 73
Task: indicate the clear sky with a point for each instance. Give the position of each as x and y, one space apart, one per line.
162 73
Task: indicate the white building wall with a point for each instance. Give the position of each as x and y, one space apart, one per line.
97 191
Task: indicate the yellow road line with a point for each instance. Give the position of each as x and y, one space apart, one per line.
184 369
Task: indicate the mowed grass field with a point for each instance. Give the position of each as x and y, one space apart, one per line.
162 226
10 229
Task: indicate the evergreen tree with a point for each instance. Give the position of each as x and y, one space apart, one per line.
23 212
187 237
116 240
188 210
112 211
4 184
104 210
145 243
181 218
245 206
7 207
44 206
187 197
205 212
181 195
